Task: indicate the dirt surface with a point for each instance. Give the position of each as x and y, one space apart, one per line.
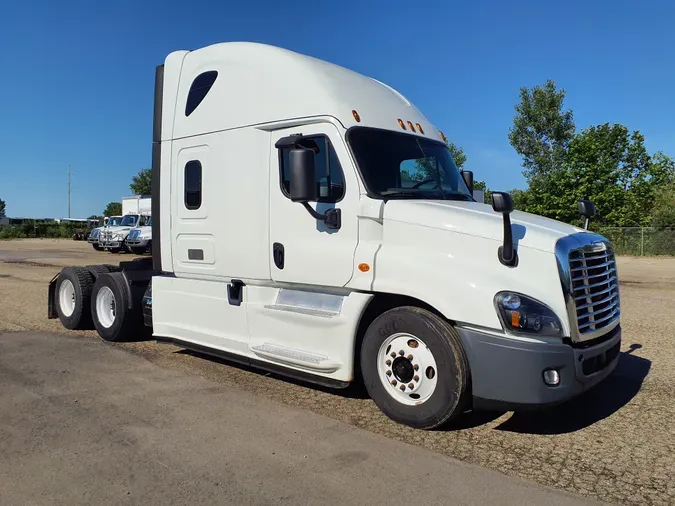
616 443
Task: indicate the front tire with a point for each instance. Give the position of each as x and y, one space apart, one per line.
73 293
414 367
113 319
97 246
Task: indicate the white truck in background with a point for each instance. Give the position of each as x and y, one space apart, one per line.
309 220
139 240
135 212
95 235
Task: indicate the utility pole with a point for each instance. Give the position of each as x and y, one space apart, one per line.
68 191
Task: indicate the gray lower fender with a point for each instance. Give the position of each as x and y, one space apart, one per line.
508 374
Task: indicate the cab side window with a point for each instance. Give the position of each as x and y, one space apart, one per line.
329 176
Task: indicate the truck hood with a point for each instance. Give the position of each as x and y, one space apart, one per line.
118 229
476 219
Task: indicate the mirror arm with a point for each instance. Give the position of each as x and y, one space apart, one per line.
316 215
507 254
332 217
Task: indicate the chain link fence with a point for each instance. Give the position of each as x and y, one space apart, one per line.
641 241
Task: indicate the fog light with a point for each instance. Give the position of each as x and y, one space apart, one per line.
551 377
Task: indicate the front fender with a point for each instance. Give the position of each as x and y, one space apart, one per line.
459 274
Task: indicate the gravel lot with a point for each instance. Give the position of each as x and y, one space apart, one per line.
616 443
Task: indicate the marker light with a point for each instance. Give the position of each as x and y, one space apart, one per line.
445 139
520 314
419 127
364 267
400 122
356 116
412 128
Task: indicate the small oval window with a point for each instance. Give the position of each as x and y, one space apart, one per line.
199 89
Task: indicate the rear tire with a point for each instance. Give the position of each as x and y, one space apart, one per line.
113 319
97 270
414 368
73 295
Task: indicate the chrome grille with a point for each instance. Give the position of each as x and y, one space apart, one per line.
594 288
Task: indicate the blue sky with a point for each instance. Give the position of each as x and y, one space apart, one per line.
77 76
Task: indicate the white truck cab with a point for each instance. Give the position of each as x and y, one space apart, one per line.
95 236
309 220
139 240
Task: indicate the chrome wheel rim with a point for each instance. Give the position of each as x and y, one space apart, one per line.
407 369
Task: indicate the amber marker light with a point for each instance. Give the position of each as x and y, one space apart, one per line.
400 122
412 127
364 267
356 116
419 127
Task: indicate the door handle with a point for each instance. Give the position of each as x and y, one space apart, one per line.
278 254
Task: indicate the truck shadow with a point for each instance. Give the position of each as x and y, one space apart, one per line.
598 403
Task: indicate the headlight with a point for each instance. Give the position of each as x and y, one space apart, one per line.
520 314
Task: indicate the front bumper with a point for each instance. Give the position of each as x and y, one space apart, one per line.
92 240
508 374
137 243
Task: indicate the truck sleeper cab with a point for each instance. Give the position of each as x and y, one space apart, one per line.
310 220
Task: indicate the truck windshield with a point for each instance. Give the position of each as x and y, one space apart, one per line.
129 220
114 222
399 165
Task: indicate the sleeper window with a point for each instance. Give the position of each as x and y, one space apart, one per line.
329 177
193 185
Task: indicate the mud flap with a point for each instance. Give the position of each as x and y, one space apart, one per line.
51 308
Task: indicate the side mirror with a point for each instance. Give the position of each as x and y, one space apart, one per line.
302 177
503 203
467 176
303 186
587 210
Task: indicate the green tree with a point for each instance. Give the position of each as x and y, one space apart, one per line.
141 183
542 131
457 154
609 165
663 212
3 207
113 209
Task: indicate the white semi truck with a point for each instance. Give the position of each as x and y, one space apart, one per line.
139 240
136 211
95 236
309 220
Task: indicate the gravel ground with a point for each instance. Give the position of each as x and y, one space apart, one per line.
616 443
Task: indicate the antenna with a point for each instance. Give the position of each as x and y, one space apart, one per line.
68 191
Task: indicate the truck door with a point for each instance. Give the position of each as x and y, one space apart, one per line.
302 249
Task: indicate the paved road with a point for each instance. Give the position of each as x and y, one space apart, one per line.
84 422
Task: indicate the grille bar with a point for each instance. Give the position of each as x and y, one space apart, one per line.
601 320
583 267
593 276
590 304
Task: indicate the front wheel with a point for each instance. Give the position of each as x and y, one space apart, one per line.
414 367
97 246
